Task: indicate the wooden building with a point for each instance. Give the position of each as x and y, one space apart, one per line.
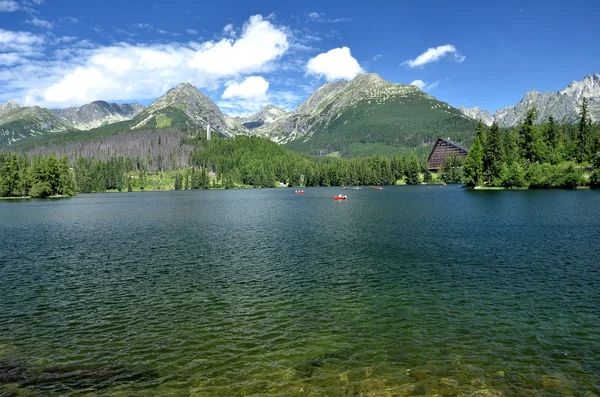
443 149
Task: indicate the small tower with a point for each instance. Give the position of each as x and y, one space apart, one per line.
208 132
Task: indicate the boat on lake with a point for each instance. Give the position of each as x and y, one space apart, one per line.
340 197
298 191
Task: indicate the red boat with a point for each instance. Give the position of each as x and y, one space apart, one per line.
340 197
376 188
298 192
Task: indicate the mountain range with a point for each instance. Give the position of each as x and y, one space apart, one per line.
364 116
563 105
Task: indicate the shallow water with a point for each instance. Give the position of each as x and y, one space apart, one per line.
423 290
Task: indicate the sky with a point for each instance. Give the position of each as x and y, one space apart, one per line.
246 54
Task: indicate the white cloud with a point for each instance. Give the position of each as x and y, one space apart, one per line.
40 23
19 41
9 6
253 87
434 55
320 17
229 31
69 19
11 58
419 83
424 86
76 73
377 57
260 43
143 26
335 64
191 31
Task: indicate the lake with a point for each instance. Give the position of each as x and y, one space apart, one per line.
413 290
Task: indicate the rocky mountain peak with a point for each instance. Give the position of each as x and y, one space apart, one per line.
477 113
562 105
186 98
8 106
588 87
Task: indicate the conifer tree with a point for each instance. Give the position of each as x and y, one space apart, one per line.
474 164
584 141
493 155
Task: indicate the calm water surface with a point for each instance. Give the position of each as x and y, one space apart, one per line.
423 290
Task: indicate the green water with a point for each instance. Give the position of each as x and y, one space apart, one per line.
423 290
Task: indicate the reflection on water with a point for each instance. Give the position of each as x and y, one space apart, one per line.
406 291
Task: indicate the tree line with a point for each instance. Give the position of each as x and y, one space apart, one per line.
548 155
218 163
41 176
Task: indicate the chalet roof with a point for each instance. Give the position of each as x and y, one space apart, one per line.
448 142
453 144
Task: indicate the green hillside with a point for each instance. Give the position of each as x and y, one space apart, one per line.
395 126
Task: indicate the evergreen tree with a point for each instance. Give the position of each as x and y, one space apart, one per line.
511 146
531 142
493 155
452 170
473 168
551 133
584 139
411 172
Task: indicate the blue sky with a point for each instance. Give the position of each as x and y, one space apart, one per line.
247 54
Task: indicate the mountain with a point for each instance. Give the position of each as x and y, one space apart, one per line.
563 105
477 113
367 115
267 115
97 113
18 123
185 107
8 106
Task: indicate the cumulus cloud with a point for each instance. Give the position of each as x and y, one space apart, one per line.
9 6
260 43
229 30
434 55
80 74
253 87
335 64
424 86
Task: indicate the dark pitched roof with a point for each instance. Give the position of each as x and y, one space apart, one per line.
448 141
453 144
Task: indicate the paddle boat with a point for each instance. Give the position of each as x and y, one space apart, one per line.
340 197
376 188
298 192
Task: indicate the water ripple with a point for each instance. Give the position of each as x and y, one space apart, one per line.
407 291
